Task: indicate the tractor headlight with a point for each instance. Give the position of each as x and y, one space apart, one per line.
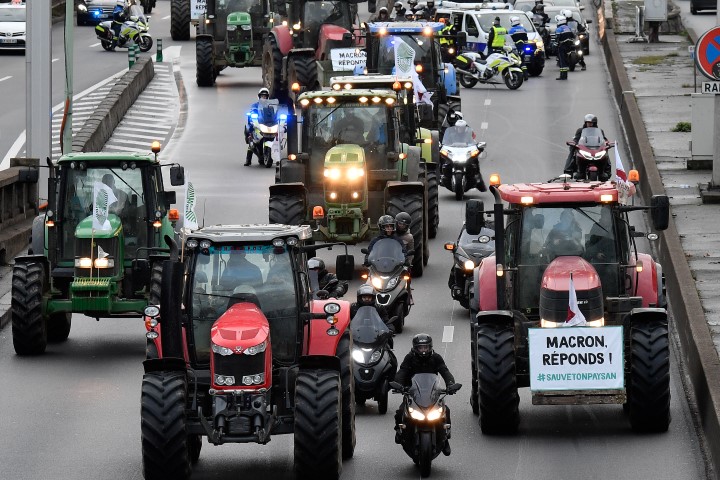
231 28
224 380
152 311
246 27
596 323
256 379
220 350
104 262
354 173
331 308
332 173
254 350
268 129
83 262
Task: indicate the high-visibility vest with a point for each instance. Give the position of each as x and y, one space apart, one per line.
444 39
499 38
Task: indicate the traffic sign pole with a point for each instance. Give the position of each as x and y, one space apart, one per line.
716 146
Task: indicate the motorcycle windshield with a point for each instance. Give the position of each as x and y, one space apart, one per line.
367 327
458 137
137 12
591 137
425 389
267 111
387 255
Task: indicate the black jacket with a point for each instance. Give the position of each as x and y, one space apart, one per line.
433 364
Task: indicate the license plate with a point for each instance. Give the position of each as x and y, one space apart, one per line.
8 40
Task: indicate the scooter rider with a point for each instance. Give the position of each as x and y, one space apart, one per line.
337 289
519 35
119 16
402 226
386 224
496 38
577 28
423 359
399 12
263 93
366 298
430 8
590 121
565 40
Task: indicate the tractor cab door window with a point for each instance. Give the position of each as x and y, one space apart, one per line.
318 13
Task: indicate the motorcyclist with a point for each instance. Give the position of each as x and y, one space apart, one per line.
263 94
519 35
430 8
399 12
590 121
402 226
326 280
577 28
423 359
565 41
413 6
366 298
538 12
539 5
119 16
386 224
496 38
383 15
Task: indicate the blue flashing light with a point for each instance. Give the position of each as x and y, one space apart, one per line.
528 49
283 117
254 116
96 14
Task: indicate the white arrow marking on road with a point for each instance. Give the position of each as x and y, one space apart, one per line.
5 78
483 126
488 101
94 45
448 332
166 17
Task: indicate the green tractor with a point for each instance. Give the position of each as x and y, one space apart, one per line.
97 249
230 34
352 161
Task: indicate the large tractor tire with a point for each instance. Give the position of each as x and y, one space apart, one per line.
180 20
303 70
318 424
58 327
412 203
347 381
165 441
205 63
497 385
287 209
433 203
649 379
155 283
29 327
272 60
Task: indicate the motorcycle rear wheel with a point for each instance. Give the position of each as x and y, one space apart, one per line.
468 81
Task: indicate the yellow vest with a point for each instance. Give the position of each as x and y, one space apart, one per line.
499 38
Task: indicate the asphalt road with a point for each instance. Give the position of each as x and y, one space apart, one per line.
74 412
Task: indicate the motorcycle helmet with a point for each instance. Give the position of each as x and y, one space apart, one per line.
560 20
264 91
120 3
430 3
514 21
412 3
387 225
422 346
366 296
461 123
398 5
592 119
382 9
540 8
567 13
402 222
538 3
318 264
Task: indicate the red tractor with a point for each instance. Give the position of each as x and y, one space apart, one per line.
311 29
560 244
239 351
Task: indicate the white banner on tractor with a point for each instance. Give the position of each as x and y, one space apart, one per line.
576 358
197 9
346 59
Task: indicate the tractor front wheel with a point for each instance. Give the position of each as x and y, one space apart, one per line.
433 204
303 70
347 380
412 203
205 68
287 209
58 327
180 20
29 327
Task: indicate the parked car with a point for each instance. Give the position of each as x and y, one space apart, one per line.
12 26
90 12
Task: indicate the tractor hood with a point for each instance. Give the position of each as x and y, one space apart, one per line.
332 32
85 228
242 326
554 290
346 155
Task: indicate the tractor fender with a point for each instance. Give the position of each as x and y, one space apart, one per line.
295 188
37 236
638 316
291 171
37 258
283 39
449 79
495 317
319 341
330 36
455 102
647 281
395 188
485 284
412 162
312 362
204 36
168 364
301 52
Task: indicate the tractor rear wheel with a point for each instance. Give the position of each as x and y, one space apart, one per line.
163 427
497 385
303 70
205 68
649 379
318 424
180 20
287 209
29 328
412 203
58 327
272 60
433 204
347 381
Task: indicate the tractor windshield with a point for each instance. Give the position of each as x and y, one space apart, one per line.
367 126
261 272
549 232
319 13
225 8
426 58
76 203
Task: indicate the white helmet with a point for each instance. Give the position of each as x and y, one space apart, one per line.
567 13
120 3
560 19
461 123
514 21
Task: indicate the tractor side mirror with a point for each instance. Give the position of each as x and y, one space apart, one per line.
461 40
396 386
177 176
660 211
474 216
364 250
344 267
28 175
303 157
280 8
170 197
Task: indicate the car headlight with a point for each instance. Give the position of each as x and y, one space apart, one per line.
255 349
434 414
416 414
220 350
268 129
444 153
358 355
392 283
82 8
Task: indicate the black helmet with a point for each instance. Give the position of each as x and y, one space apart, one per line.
430 3
318 264
422 345
366 296
402 222
386 221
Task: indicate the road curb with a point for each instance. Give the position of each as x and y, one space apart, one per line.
698 352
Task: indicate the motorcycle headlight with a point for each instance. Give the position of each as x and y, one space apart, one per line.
375 356
224 351
392 283
600 155
416 414
469 265
268 129
434 414
377 283
586 155
358 355
463 159
255 349
577 42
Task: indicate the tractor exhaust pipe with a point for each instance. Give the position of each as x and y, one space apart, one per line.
170 301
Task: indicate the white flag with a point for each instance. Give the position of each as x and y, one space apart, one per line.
103 197
189 218
625 189
101 252
404 58
575 317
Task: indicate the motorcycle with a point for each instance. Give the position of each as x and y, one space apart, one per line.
375 363
544 32
332 289
424 428
134 30
468 251
263 131
481 70
573 54
592 160
459 154
389 277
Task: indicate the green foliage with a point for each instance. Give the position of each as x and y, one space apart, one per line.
682 127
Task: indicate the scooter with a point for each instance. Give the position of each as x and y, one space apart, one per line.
592 160
375 362
389 277
507 65
425 427
468 251
459 154
134 30
263 128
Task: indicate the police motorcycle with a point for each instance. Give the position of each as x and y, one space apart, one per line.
263 125
459 160
507 65
134 30
573 54
375 364
424 428
388 274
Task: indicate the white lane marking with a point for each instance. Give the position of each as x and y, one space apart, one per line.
5 78
487 101
166 17
170 53
483 126
94 45
448 331
54 60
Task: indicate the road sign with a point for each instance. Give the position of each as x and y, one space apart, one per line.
707 53
711 88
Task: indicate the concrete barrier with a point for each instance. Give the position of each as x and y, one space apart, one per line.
18 207
697 350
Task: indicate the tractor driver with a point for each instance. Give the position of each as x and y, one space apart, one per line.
350 129
240 271
565 237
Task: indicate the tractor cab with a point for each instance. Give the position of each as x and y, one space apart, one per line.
320 24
